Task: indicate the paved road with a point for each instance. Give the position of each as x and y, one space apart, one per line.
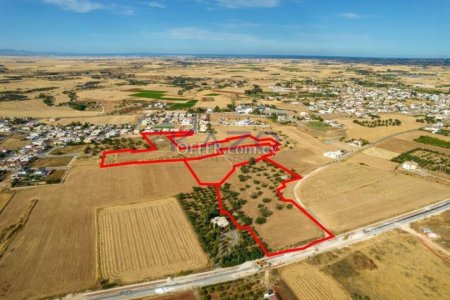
178 284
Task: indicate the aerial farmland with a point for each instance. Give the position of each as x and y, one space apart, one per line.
137 170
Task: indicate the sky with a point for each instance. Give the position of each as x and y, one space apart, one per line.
367 28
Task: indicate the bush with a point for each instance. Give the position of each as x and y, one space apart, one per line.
260 220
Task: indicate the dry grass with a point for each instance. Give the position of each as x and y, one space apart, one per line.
348 195
13 143
440 225
308 282
178 296
402 144
101 120
286 227
147 241
75 149
48 162
373 162
306 154
60 235
381 153
373 134
37 109
5 197
8 233
394 265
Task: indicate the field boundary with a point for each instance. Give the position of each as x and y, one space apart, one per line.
271 143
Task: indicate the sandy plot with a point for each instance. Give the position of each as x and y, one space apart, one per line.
348 195
308 282
373 134
381 153
147 241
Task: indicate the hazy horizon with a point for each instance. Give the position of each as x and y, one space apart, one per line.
351 28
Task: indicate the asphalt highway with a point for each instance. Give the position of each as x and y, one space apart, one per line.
178 284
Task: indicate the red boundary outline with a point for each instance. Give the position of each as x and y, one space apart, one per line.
274 147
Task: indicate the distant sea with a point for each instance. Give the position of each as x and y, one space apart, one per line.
350 59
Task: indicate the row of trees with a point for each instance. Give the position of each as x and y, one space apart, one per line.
378 122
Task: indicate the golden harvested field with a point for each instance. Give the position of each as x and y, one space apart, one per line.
147 241
349 195
394 265
409 136
49 162
5 197
373 134
373 161
307 152
212 169
400 145
381 153
37 109
308 282
49 243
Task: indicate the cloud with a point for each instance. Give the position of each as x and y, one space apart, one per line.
238 24
247 3
126 11
195 33
351 15
155 4
79 6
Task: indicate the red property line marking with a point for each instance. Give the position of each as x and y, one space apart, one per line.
273 146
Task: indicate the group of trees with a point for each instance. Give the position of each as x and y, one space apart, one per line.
255 90
426 119
49 100
201 206
433 141
248 288
425 158
378 122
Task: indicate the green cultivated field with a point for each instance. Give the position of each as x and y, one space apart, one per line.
156 95
184 103
187 104
150 94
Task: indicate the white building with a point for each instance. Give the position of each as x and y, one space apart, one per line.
410 165
222 222
242 109
334 154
